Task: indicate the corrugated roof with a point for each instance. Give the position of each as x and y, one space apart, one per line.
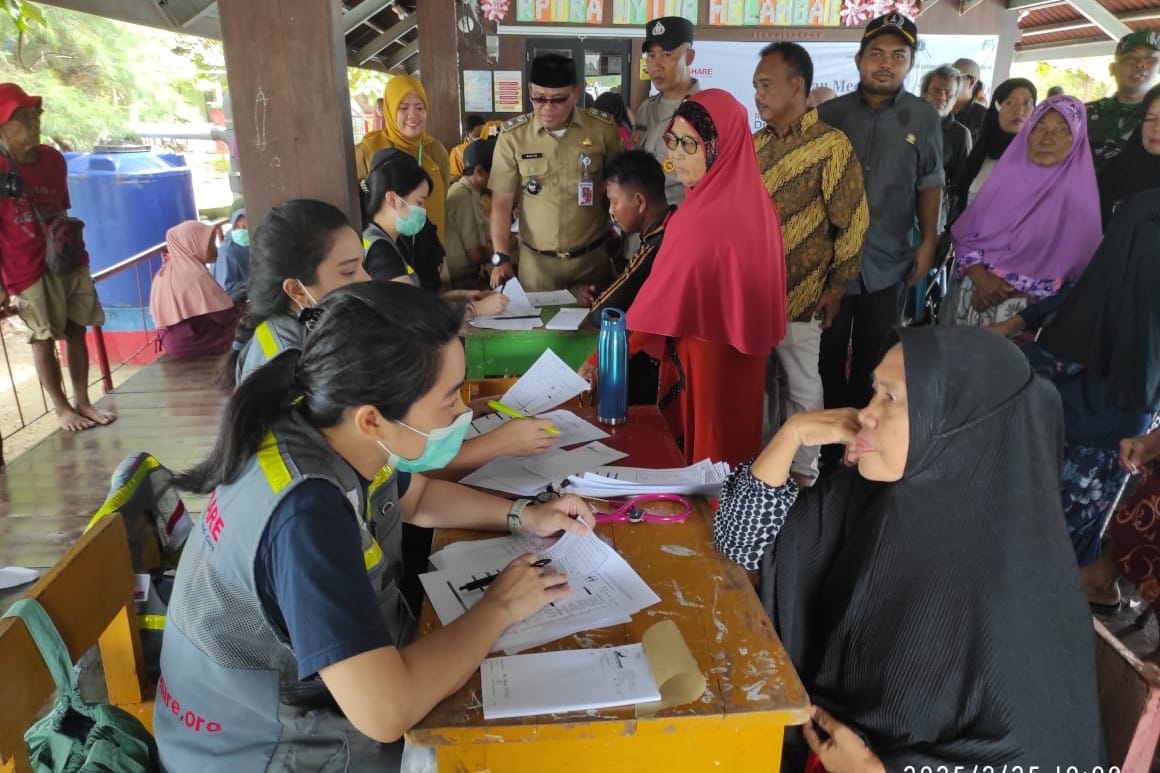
1061 24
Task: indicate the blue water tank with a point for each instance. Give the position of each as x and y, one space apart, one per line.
128 198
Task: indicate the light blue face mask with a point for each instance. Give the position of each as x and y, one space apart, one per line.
241 237
442 445
413 222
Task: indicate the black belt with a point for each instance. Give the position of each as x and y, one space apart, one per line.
568 254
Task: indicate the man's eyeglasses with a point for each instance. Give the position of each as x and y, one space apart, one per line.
688 144
557 100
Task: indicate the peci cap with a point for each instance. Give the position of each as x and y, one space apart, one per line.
668 32
552 71
13 98
1133 40
891 24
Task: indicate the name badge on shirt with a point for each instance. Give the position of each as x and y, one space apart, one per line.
585 189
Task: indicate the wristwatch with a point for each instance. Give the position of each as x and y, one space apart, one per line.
499 258
515 525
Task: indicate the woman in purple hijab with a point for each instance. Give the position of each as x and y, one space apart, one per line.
1036 221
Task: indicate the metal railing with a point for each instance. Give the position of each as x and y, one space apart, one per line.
142 261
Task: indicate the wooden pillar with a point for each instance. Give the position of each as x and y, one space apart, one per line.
439 69
286 68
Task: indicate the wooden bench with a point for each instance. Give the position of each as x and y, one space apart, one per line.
1129 694
89 596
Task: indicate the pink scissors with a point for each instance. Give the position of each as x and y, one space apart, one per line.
638 510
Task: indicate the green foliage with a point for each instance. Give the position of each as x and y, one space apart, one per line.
98 76
22 14
1085 82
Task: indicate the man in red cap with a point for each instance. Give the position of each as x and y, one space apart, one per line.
33 195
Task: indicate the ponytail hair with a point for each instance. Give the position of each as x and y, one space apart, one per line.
291 242
372 343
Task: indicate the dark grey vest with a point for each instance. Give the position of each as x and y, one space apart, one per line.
229 696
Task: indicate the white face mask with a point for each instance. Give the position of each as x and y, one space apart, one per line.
441 447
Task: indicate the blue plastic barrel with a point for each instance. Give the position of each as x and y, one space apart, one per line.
128 198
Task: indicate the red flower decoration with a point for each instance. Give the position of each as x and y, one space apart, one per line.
494 10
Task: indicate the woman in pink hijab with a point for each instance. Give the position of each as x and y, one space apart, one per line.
1034 224
194 316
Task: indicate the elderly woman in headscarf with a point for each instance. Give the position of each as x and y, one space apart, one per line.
713 308
1010 108
913 592
1102 351
405 109
1137 168
194 316
1034 224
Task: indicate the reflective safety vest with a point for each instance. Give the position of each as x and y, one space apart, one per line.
229 697
271 337
373 234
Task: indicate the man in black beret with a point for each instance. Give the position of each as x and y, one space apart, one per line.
550 161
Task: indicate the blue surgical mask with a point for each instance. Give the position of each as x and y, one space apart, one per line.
413 222
442 445
241 237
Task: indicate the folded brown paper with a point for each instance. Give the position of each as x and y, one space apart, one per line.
674 668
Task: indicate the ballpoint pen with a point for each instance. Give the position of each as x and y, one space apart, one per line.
483 582
499 407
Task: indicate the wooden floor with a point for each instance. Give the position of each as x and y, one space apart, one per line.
47 495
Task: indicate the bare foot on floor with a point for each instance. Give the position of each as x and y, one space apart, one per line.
71 421
96 415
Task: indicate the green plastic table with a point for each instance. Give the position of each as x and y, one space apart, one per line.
492 353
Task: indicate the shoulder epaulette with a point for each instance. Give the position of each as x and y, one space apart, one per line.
600 115
514 122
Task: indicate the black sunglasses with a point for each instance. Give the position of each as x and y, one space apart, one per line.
557 100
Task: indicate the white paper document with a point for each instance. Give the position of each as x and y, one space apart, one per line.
605 590
528 475
518 303
571 680
552 298
572 428
568 319
504 323
704 477
548 384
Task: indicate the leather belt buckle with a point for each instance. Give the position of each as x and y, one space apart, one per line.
564 254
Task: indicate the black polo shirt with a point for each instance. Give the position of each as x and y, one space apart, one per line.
900 148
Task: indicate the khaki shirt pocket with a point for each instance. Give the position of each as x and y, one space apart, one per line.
533 167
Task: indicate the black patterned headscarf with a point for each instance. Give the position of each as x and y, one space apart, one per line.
698 118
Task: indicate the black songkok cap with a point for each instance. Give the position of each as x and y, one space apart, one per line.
552 71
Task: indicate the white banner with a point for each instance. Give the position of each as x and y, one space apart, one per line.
730 65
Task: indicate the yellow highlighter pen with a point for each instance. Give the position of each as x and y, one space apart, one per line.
499 407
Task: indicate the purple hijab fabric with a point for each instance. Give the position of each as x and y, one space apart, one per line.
1034 221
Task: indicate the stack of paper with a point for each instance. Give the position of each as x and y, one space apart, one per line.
571 680
605 589
518 303
568 319
704 477
528 475
572 428
553 298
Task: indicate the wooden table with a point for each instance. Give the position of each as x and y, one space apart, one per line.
736 726
512 352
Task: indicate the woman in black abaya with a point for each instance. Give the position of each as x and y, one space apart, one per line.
929 599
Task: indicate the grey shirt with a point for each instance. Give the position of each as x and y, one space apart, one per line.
900 148
652 121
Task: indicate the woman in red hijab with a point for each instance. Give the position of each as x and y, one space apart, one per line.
713 307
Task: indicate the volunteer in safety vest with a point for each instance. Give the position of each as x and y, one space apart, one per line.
287 645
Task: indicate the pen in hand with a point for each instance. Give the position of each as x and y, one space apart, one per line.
499 407
483 582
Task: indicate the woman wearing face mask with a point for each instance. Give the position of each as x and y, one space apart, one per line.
281 650
400 244
1011 107
913 593
233 260
405 112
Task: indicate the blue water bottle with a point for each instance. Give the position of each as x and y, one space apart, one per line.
612 368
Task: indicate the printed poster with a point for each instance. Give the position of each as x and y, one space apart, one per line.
477 91
640 12
775 13
509 88
561 11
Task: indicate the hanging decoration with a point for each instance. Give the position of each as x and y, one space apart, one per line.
495 10
856 13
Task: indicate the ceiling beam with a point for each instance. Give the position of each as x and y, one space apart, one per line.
1101 17
1078 24
1047 51
205 9
402 55
1031 5
398 30
362 13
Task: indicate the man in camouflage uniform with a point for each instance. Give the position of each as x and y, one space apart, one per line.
1113 119
552 160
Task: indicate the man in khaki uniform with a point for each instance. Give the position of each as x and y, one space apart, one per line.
551 161
466 236
668 50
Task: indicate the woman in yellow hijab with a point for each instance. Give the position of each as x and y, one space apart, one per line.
405 115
